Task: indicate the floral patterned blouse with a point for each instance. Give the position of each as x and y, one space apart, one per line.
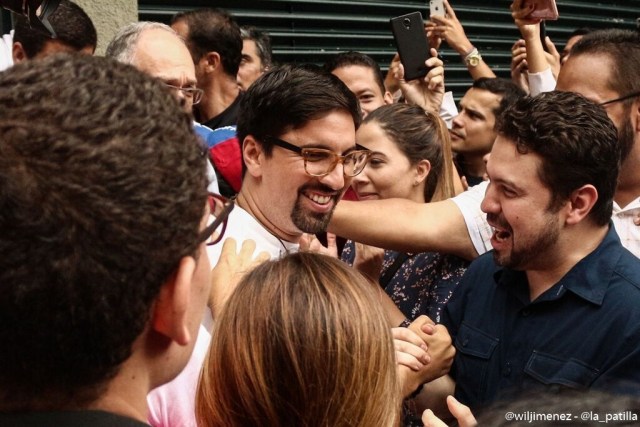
423 283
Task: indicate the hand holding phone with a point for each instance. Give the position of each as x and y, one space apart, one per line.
436 8
411 41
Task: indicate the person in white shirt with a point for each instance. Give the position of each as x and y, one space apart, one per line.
297 127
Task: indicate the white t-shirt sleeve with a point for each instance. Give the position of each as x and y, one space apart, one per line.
469 204
448 109
541 82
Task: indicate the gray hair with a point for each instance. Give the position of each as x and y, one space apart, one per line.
122 46
263 44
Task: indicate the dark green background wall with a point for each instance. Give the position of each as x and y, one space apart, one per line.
311 30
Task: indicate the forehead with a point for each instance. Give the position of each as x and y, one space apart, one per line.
358 78
373 137
588 75
481 100
162 54
249 47
335 131
506 164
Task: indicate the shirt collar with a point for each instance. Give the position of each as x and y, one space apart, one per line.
588 279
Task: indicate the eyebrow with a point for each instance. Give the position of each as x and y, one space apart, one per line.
507 183
355 147
473 111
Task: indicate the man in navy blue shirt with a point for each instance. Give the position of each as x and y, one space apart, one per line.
555 304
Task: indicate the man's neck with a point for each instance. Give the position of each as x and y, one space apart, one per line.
219 94
472 164
126 393
563 257
253 207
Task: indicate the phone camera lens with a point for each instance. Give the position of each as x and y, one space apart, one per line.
407 23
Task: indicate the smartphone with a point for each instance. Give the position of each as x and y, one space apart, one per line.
436 8
411 41
543 9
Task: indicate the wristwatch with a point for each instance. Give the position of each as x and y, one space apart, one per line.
473 58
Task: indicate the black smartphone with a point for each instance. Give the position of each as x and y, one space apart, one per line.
411 41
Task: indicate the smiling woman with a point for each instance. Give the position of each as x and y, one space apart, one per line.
410 159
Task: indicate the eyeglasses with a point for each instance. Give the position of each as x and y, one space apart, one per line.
622 98
320 162
219 209
189 92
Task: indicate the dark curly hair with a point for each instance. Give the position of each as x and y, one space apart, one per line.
577 141
102 191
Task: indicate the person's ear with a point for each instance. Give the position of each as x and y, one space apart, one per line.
580 204
253 154
210 62
18 53
169 316
388 98
422 169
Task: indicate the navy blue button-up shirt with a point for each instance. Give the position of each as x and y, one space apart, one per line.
583 332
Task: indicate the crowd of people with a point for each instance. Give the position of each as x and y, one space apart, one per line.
194 235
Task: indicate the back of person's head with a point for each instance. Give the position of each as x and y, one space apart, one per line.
622 47
289 97
72 25
420 135
351 58
123 45
302 341
263 44
213 30
576 140
508 90
102 191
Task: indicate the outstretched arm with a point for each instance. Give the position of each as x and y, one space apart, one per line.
403 225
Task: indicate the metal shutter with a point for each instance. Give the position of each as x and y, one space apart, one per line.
311 30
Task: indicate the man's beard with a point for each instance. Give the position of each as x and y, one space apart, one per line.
626 138
521 258
312 222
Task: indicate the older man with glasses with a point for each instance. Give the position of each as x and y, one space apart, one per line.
157 50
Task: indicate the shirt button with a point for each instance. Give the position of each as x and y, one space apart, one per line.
526 312
507 370
465 342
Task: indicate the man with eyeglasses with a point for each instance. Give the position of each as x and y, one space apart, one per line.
157 50
298 129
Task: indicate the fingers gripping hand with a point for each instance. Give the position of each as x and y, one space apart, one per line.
411 350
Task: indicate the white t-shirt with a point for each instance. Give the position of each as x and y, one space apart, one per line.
173 404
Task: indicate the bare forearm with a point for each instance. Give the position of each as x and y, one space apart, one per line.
404 225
